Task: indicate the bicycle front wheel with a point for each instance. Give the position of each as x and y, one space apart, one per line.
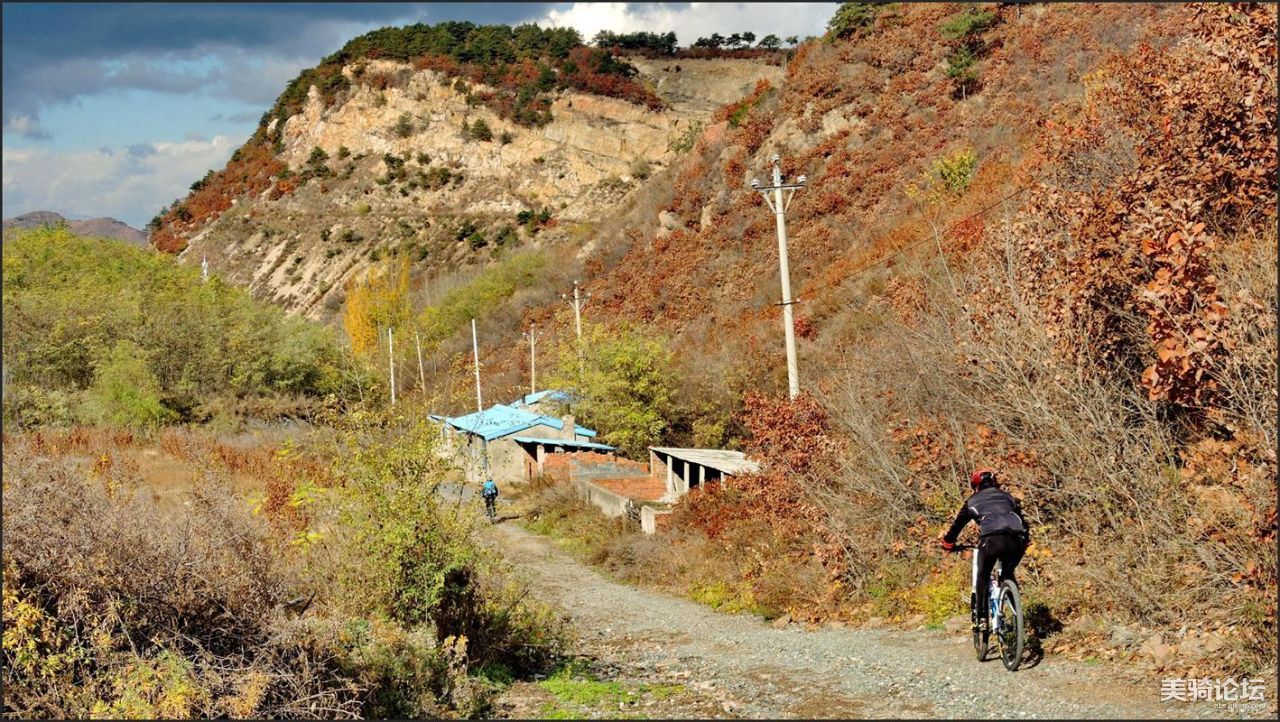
981 640
1012 634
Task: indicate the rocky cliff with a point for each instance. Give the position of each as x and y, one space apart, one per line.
401 166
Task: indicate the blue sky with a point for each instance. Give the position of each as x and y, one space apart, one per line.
115 108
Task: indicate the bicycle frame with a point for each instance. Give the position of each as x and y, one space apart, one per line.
993 601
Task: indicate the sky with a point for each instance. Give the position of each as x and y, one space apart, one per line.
114 109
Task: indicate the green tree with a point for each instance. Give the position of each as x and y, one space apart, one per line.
770 42
625 384
961 68
125 391
403 127
480 131
849 18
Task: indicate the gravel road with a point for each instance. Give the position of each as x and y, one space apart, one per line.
752 669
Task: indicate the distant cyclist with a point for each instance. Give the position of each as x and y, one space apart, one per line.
1003 533
490 494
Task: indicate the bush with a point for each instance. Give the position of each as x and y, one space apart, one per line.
380 604
480 131
641 169
479 296
125 392
135 328
403 127
955 170
849 18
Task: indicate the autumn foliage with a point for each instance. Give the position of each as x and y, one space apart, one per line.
251 170
1201 121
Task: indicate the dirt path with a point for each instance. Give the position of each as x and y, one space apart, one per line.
739 665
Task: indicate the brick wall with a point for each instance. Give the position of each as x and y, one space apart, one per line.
556 466
597 466
640 488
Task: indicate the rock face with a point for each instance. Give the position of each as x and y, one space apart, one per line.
96 227
399 171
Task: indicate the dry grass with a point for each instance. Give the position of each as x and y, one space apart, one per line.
125 600
966 376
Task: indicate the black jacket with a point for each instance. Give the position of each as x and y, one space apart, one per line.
994 510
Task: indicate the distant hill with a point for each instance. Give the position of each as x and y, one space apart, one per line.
94 227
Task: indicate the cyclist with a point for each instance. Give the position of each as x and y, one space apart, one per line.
1002 531
490 494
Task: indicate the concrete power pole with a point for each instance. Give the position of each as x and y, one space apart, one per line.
391 357
422 375
475 352
532 334
778 204
578 302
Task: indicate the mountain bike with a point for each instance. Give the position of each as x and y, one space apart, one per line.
1004 612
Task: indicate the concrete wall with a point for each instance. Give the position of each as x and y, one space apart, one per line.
613 505
652 519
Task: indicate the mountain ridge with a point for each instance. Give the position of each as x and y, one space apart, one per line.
103 227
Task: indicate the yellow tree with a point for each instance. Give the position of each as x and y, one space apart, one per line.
377 301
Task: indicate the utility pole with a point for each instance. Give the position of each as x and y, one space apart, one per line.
778 204
391 356
578 302
422 375
532 334
475 351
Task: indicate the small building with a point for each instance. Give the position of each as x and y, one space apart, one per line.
484 443
683 469
550 402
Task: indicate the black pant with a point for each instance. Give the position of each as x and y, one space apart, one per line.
1005 548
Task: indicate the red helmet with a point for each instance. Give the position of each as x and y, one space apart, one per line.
981 477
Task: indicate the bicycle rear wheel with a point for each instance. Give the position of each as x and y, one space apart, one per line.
1012 634
981 640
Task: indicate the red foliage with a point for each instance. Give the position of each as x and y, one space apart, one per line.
588 80
251 171
1200 117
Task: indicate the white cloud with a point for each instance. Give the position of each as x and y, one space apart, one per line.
126 184
695 20
25 125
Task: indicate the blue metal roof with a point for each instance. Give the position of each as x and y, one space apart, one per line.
564 442
549 394
501 420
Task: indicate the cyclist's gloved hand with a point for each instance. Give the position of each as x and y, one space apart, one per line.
946 545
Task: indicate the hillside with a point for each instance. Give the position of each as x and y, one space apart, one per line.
1037 238
99 331
425 157
93 227
1040 239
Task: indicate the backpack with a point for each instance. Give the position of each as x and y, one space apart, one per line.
490 488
